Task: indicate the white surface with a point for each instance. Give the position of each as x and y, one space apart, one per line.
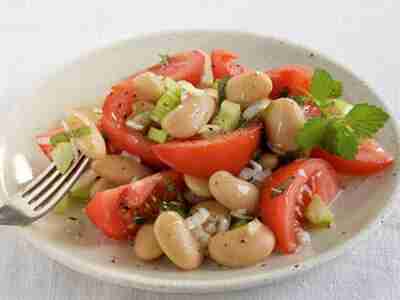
38 37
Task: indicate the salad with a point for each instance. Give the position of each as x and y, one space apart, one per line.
199 156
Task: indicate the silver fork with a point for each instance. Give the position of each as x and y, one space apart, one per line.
41 195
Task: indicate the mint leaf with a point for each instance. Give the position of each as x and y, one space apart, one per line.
312 133
321 84
336 89
346 142
366 119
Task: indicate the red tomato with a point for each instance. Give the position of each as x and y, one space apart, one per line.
311 110
293 79
229 152
223 64
283 211
118 105
43 141
113 211
371 158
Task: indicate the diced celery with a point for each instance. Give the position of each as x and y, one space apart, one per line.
59 138
157 135
62 206
318 213
62 156
228 116
140 121
167 102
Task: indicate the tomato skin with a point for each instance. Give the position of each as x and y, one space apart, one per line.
370 159
283 213
118 105
223 64
201 158
43 141
105 209
294 79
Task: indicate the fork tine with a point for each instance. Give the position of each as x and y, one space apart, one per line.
39 189
62 185
38 180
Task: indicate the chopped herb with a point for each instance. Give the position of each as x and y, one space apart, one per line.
284 93
179 207
239 222
299 99
282 187
139 220
79 132
134 179
164 59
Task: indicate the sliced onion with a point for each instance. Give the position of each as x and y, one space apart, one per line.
253 110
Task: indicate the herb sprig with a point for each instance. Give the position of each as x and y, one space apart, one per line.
339 135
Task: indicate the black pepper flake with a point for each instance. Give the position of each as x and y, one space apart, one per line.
311 55
296 266
126 93
263 265
113 259
343 232
72 218
394 174
242 241
225 245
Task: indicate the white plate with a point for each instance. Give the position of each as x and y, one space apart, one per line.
80 247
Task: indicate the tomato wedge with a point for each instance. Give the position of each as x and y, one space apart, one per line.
202 157
285 194
223 64
370 159
294 80
118 104
113 211
43 141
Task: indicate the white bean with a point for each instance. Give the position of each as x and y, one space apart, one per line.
119 169
283 119
146 246
244 246
233 192
148 87
248 87
187 119
176 241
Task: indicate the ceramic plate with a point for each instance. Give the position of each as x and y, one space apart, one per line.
79 246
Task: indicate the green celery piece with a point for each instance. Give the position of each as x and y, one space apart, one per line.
59 138
228 117
62 206
62 156
167 102
318 213
157 135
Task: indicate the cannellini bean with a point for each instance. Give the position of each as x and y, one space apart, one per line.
146 246
269 161
148 87
232 192
244 246
283 119
176 241
248 87
199 186
100 185
187 119
119 169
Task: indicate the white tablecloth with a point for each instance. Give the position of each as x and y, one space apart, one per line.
38 36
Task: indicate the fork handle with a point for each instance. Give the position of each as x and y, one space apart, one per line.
11 216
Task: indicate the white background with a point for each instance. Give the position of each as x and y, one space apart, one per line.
36 37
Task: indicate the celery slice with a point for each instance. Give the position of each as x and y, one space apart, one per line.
318 213
63 156
157 135
228 117
167 102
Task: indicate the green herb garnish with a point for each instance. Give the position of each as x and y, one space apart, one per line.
338 134
221 84
164 59
139 220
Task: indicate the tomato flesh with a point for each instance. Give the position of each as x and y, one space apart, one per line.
370 159
295 80
118 105
282 208
202 157
223 64
43 141
113 211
